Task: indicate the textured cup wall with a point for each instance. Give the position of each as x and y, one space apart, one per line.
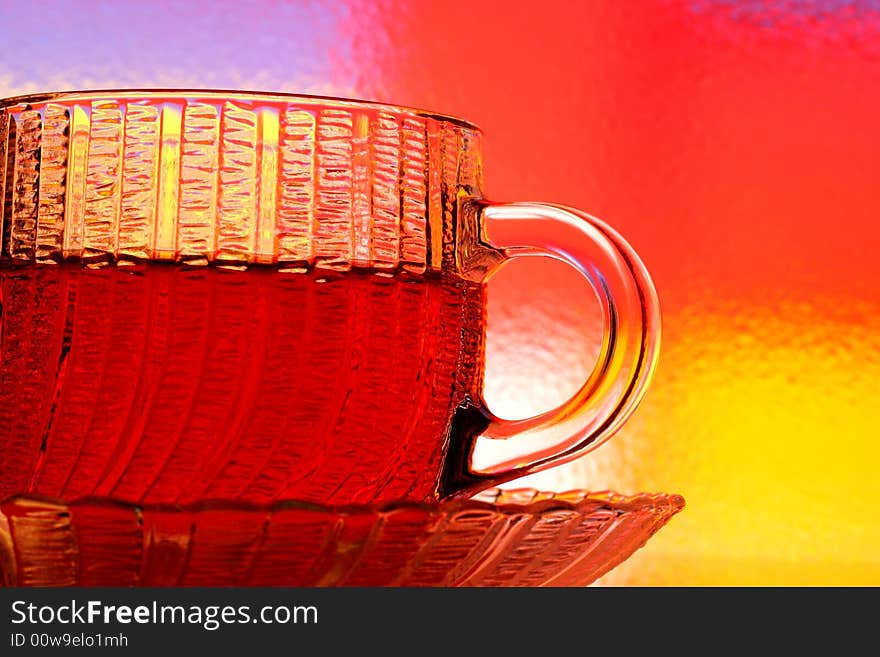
733 144
295 182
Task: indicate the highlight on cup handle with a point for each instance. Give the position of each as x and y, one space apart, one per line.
629 348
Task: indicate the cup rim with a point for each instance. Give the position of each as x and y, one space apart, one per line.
230 94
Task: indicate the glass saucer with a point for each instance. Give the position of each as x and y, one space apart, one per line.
499 538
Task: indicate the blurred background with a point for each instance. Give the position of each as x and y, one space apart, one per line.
734 144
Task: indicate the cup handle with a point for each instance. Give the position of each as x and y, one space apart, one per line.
629 346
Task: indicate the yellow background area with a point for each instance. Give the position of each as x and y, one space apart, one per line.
760 416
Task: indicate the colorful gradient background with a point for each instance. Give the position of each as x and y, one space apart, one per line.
734 144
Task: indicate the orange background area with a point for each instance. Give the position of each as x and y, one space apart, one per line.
734 144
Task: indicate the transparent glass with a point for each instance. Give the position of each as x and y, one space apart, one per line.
248 296
501 538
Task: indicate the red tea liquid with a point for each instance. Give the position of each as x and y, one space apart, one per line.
167 384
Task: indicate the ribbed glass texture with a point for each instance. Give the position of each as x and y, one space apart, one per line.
509 538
